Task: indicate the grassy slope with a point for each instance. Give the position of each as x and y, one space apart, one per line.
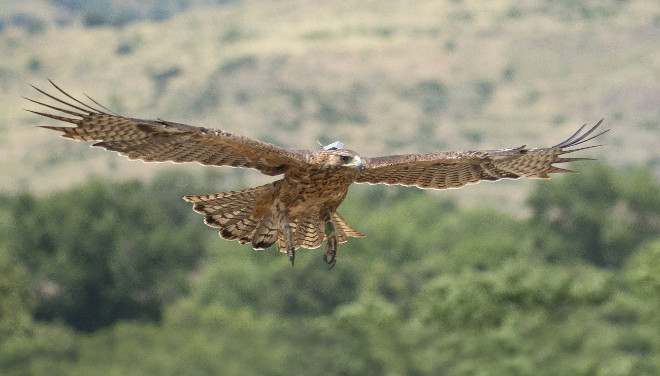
383 77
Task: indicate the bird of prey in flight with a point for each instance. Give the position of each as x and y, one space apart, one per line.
300 209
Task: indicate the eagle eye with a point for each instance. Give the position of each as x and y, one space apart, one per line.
345 158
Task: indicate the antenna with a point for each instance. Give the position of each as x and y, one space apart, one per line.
337 145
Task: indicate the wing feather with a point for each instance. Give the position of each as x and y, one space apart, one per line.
160 141
457 168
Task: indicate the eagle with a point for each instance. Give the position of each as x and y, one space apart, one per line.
300 209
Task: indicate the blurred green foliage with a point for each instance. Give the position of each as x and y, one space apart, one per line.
123 278
88 265
598 216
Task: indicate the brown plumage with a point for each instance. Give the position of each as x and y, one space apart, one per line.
299 210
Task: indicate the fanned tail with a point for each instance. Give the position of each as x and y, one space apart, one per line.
233 213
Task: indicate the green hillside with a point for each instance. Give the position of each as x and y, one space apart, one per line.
383 77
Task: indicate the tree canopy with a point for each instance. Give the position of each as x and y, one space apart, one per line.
123 278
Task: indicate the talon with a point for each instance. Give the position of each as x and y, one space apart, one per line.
333 257
286 242
330 254
331 244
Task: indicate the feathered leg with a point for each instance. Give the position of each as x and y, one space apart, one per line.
332 243
286 241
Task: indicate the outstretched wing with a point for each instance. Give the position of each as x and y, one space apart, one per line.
458 168
159 141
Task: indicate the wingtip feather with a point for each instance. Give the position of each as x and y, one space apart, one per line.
579 137
56 117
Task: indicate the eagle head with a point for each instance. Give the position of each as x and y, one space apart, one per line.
340 158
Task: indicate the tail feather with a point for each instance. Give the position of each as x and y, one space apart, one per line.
344 230
309 232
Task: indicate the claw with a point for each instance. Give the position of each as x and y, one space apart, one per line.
331 249
333 259
288 243
292 255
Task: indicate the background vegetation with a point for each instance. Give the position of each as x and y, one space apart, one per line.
121 278
104 270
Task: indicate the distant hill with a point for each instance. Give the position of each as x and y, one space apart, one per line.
383 77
